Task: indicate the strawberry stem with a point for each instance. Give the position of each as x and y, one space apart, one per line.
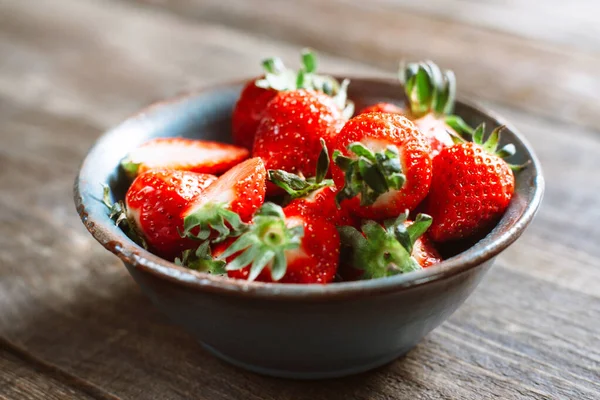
369 174
264 244
382 251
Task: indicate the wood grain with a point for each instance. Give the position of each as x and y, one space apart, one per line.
569 24
24 376
74 68
551 80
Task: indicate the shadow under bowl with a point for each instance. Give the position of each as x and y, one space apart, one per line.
294 331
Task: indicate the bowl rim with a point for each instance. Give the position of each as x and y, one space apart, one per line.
130 253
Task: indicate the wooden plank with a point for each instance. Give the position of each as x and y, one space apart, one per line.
24 377
572 23
68 301
557 82
107 70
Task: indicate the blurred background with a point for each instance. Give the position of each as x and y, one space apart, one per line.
70 69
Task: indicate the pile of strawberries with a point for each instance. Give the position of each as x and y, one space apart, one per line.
310 194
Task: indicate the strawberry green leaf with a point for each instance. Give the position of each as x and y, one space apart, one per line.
419 226
201 260
491 144
369 174
118 213
280 78
309 61
130 167
381 251
322 163
264 244
448 94
507 151
437 83
459 125
298 186
273 65
212 218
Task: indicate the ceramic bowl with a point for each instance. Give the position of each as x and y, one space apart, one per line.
295 331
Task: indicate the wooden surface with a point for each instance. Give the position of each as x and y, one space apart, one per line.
73 324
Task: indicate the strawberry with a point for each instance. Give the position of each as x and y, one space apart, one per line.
471 188
396 247
227 203
183 154
284 246
152 212
257 93
384 108
288 137
314 196
383 165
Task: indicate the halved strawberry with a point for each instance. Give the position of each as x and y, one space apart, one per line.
284 246
257 93
183 154
383 165
152 212
395 248
227 203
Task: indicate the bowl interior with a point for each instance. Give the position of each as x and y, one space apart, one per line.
206 114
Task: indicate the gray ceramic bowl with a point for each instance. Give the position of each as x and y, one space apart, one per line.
297 331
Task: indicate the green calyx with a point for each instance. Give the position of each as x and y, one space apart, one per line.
280 78
491 144
130 167
212 217
369 174
297 186
382 251
118 213
431 90
264 244
201 260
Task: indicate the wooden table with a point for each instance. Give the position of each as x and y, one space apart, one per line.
73 324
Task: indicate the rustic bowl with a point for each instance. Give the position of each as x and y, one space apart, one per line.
296 331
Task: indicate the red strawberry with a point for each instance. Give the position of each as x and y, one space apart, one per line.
321 204
228 202
153 212
471 188
384 108
425 253
283 246
183 154
383 165
255 96
315 196
288 137
248 112
395 248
